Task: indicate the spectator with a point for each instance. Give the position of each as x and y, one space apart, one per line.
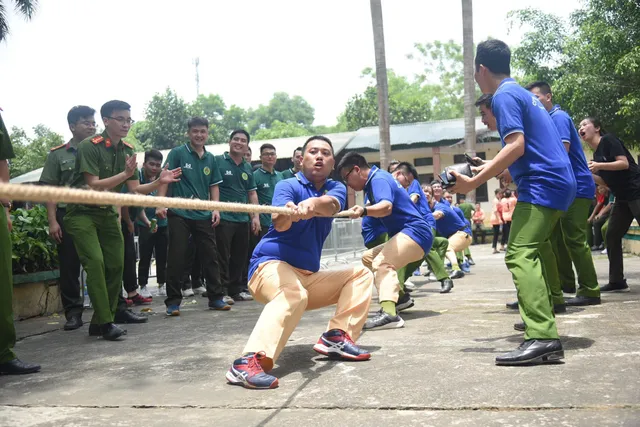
599 216
496 220
507 204
296 159
478 224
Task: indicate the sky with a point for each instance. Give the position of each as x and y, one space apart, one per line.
91 51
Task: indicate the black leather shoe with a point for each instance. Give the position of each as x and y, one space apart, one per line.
582 300
532 352
512 305
18 367
73 322
559 308
128 316
94 330
568 290
446 285
111 332
519 326
615 287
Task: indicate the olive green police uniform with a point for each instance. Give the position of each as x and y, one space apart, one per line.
7 329
95 229
59 170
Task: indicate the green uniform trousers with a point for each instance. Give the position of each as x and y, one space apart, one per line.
7 329
98 239
528 248
570 244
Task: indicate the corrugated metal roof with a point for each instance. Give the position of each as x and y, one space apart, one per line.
437 133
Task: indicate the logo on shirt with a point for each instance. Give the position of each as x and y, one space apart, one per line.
245 176
187 166
229 173
266 185
206 171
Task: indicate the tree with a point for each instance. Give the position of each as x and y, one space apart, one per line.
139 136
282 108
382 87
26 8
281 130
167 115
469 85
30 153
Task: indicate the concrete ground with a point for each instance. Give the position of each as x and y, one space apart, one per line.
437 371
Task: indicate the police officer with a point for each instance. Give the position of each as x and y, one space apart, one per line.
105 163
9 362
296 159
58 170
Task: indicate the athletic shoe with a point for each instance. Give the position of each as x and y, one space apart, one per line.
447 264
228 300
417 272
145 292
187 293
471 262
337 344
445 286
199 290
409 286
456 274
404 303
129 302
219 305
615 287
520 326
162 290
138 299
173 310
247 372
243 296
465 267
383 320
604 252
431 277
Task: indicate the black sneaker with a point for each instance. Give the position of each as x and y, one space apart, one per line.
445 286
383 320
519 326
615 287
404 303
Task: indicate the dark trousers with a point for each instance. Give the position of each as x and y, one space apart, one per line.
193 269
506 228
496 234
204 238
597 230
253 242
70 292
478 231
621 217
150 242
233 246
129 278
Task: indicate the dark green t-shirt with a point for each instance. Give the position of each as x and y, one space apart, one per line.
467 209
237 182
6 149
60 166
289 173
265 185
149 212
198 174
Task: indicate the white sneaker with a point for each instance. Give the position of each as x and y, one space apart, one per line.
243 296
187 293
162 290
199 290
604 252
145 292
228 300
408 285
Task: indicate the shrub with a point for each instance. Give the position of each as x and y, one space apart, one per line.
33 249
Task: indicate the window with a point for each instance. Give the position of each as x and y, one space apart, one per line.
423 161
425 178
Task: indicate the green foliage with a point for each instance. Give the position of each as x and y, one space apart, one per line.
33 249
281 130
167 115
139 136
25 7
282 108
30 153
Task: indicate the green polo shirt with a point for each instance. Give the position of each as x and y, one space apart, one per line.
6 149
149 212
466 209
60 166
198 174
237 181
289 173
266 184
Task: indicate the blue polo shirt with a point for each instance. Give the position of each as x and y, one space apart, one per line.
450 223
543 173
460 214
423 204
404 217
586 187
301 245
372 227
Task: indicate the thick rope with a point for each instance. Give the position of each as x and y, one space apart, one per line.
50 194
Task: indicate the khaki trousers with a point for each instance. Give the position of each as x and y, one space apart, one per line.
384 260
288 292
458 242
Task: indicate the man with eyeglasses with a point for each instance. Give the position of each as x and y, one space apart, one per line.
105 163
58 170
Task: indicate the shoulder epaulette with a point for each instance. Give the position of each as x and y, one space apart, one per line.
58 147
128 145
97 139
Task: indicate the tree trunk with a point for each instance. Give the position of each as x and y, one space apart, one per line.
469 85
383 87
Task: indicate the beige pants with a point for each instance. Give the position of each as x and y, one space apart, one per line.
458 242
288 292
385 259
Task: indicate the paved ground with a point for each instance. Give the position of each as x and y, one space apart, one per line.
438 371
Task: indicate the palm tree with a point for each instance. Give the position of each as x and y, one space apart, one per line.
469 85
383 87
25 8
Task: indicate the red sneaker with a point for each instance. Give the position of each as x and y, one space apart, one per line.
337 344
129 302
248 373
138 299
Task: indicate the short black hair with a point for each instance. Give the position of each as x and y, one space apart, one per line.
392 163
485 100
497 190
597 123
507 193
153 154
300 149
249 148
265 146
408 167
313 138
197 121
79 112
544 87
495 55
462 197
435 182
242 131
352 159
109 107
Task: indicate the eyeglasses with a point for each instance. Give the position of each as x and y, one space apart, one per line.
269 154
122 120
346 177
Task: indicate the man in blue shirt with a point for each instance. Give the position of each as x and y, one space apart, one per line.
572 229
285 274
411 235
465 266
537 161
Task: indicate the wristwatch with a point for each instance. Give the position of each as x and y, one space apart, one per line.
364 212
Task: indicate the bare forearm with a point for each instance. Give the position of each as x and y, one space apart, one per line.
214 193
281 222
380 210
598 180
325 206
106 183
618 165
150 187
505 158
51 212
4 175
253 199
